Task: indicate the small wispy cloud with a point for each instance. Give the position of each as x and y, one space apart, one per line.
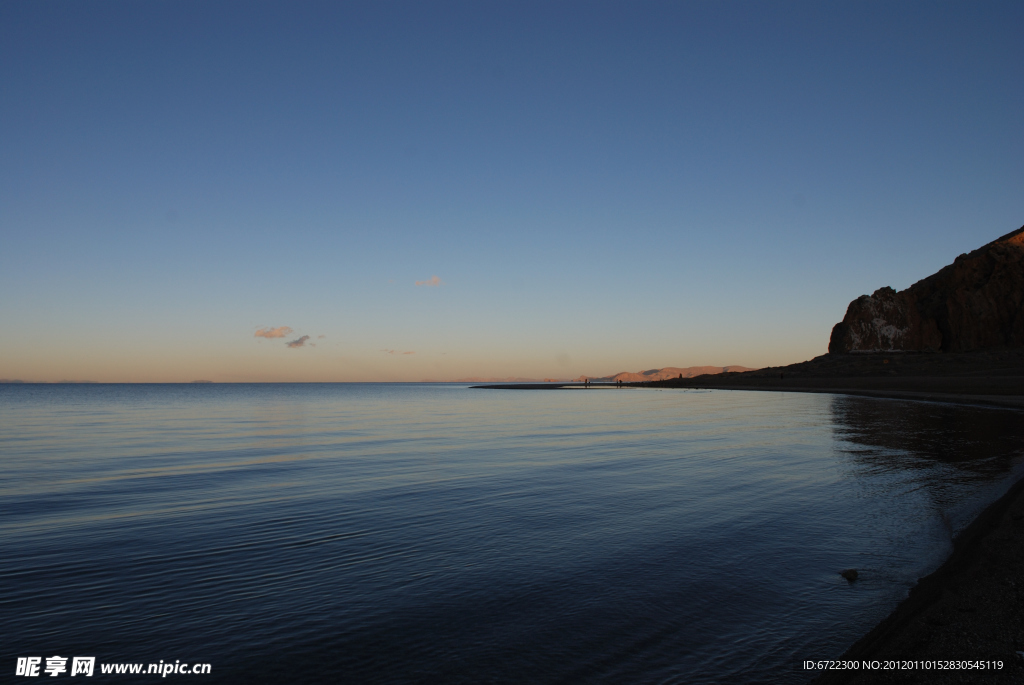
412 352
279 332
397 352
298 342
432 281
320 337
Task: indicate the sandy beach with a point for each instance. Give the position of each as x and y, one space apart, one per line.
993 378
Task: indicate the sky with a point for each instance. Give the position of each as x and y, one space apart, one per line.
401 191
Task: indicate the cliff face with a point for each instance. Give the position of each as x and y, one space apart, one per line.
975 303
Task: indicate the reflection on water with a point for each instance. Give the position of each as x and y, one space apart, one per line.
976 440
943 449
430 533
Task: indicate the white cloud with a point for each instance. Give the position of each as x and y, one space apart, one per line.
432 281
279 332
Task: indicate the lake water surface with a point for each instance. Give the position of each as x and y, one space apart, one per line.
439 534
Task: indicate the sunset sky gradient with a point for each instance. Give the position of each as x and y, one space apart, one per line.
404 191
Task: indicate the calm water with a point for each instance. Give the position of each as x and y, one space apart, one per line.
433 533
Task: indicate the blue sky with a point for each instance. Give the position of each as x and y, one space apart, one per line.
599 187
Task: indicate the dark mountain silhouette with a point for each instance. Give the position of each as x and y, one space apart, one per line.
976 303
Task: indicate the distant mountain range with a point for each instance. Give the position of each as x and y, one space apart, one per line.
492 379
664 374
625 376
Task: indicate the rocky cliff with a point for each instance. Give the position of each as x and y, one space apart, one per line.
975 303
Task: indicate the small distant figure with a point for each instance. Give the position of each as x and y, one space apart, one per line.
680 376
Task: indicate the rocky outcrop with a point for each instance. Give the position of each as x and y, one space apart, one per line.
975 303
